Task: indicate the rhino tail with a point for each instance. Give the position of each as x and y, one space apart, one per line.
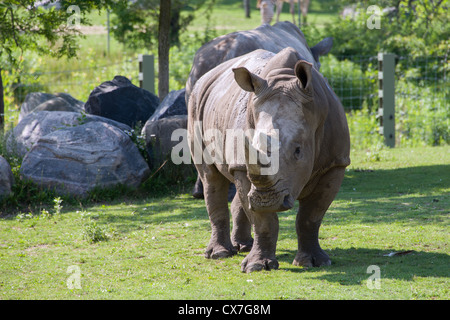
322 48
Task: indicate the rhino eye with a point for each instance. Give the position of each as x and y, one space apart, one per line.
297 153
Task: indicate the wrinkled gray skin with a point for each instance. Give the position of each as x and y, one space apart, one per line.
263 90
271 38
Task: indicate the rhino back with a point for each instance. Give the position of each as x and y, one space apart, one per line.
271 38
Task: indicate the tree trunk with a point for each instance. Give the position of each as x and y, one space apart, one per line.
163 48
247 8
2 105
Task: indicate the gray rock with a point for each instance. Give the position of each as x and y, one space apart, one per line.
6 178
57 104
40 101
122 101
173 104
38 124
74 160
158 135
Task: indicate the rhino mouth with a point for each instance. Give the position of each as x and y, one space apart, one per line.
269 200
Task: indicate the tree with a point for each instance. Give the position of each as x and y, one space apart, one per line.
163 48
407 27
144 23
49 28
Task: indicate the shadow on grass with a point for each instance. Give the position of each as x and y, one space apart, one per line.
377 183
350 266
414 195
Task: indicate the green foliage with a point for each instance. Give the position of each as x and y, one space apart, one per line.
363 125
415 28
348 80
44 30
138 137
422 115
136 23
92 232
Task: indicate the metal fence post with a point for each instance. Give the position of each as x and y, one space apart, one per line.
386 95
147 72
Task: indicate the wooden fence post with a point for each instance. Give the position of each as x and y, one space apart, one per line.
386 95
147 72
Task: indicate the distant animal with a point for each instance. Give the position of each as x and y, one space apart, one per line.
266 10
304 5
294 125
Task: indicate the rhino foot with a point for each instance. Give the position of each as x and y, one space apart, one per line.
219 252
316 259
242 246
253 263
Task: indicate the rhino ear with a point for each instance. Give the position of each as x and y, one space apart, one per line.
303 72
249 81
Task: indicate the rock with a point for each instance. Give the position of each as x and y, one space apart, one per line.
6 178
38 124
122 101
57 104
76 159
173 104
40 101
158 137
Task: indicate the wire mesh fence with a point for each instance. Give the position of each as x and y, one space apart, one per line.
421 89
77 82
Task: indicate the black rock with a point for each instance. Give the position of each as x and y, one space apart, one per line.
122 101
172 105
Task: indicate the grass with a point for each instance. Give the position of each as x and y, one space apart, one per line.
152 247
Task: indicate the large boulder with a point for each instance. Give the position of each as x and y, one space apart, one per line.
173 104
122 101
158 135
40 101
6 178
77 159
38 124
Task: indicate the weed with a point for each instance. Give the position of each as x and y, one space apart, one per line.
93 232
57 205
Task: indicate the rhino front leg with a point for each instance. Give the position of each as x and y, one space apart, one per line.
262 255
241 235
215 188
309 218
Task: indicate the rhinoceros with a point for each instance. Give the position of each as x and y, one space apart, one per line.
272 38
282 110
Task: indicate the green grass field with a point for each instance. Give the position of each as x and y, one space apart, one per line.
152 248
145 246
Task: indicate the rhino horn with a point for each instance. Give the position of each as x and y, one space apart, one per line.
303 72
249 81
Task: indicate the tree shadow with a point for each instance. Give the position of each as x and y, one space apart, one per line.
400 181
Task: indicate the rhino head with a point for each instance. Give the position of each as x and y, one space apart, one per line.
286 114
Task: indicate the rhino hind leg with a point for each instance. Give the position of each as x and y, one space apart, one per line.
215 188
309 218
241 235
